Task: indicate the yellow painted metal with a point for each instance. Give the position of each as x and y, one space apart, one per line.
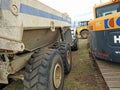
81 28
98 23
84 35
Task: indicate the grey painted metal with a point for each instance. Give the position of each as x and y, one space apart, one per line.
111 74
102 44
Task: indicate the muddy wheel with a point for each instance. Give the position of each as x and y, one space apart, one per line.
44 71
84 34
75 46
65 51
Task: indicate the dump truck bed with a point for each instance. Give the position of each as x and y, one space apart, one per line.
28 24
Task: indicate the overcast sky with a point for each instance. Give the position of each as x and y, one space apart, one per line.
77 9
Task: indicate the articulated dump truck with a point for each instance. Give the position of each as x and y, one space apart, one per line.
35 44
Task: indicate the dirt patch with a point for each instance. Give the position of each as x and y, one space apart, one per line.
85 78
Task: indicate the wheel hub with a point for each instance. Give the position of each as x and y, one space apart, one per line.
57 75
84 35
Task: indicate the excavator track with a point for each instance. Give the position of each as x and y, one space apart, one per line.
110 72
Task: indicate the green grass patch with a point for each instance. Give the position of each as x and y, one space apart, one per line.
82 74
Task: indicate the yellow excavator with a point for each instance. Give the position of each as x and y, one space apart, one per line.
104 32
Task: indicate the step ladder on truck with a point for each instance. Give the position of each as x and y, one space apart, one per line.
35 44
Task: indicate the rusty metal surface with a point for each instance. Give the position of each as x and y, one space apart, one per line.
34 39
18 63
111 74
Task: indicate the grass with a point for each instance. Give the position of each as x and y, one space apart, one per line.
82 74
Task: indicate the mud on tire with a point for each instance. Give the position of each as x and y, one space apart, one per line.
65 51
44 71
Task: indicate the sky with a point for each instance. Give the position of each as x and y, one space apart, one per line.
76 9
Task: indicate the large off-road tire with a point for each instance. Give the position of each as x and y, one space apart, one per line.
65 51
75 47
44 71
84 34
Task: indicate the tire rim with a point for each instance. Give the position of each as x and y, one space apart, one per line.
68 57
84 35
57 75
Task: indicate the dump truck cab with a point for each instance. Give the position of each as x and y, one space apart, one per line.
104 37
